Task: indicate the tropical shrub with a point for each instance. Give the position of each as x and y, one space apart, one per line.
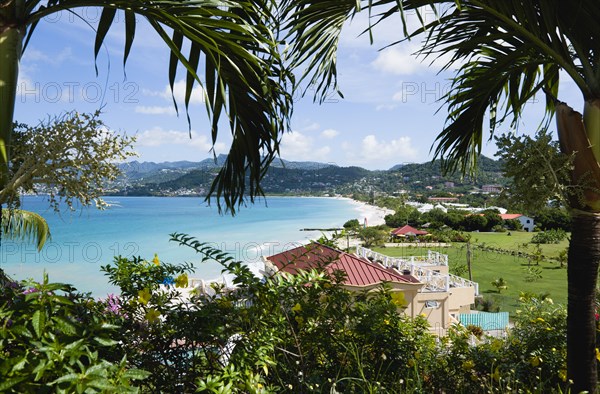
553 236
53 340
285 333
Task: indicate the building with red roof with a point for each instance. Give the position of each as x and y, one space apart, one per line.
408 231
359 272
428 291
527 222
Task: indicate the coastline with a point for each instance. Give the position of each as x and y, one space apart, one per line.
372 214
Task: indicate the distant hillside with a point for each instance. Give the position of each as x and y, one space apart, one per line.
288 177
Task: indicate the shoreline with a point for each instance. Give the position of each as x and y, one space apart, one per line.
373 215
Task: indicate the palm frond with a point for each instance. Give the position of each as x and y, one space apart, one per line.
245 78
313 29
21 225
507 51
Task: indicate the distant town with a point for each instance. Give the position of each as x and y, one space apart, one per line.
421 182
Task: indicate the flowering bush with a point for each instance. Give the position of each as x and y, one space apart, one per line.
298 334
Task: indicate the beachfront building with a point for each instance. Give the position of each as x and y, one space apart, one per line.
427 287
407 231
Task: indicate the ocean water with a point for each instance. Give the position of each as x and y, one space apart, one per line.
84 240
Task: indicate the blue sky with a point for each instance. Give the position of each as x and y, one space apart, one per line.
388 115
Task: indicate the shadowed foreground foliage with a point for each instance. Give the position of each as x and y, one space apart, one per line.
296 334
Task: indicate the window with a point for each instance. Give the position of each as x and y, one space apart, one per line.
432 304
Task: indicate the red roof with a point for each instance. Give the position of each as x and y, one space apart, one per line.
510 216
408 230
359 272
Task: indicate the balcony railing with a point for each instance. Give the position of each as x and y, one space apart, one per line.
419 267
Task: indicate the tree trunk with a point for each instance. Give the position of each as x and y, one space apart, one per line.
11 46
469 259
582 273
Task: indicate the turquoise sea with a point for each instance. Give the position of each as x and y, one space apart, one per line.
88 238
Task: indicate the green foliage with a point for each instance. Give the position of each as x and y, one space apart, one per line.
474 223
306 333
55 340
533 274
549 218
500 284
553 236
538 172
513 224
74 151
286 333
372 236
405 214
352 224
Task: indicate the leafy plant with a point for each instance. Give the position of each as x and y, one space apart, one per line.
500 284
53 341
552 236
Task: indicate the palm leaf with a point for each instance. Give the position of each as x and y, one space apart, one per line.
21 225
247 81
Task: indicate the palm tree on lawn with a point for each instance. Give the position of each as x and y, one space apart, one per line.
233 55
506 52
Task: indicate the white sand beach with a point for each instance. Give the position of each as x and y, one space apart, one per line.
372 214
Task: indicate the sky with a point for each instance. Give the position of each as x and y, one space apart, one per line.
390 113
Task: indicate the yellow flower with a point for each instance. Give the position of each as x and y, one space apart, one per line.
496 345
155 260
562 374
297 307
597 354
181 281
299 319
535 361
152 315
144 296
496 375
540 320
398 299
467 365
386 322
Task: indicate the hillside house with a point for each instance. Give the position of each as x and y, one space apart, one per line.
427 286
527 222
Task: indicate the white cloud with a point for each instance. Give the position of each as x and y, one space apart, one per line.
179 88
372 150
329 133
385 107
399 60
299 147
159 137
34 55
155 110
311 127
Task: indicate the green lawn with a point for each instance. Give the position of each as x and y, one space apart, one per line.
488 266
515 241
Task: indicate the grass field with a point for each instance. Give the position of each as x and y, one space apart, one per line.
488 266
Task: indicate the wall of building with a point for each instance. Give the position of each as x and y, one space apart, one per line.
527 223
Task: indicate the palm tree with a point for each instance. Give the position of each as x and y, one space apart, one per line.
506 52
231 42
